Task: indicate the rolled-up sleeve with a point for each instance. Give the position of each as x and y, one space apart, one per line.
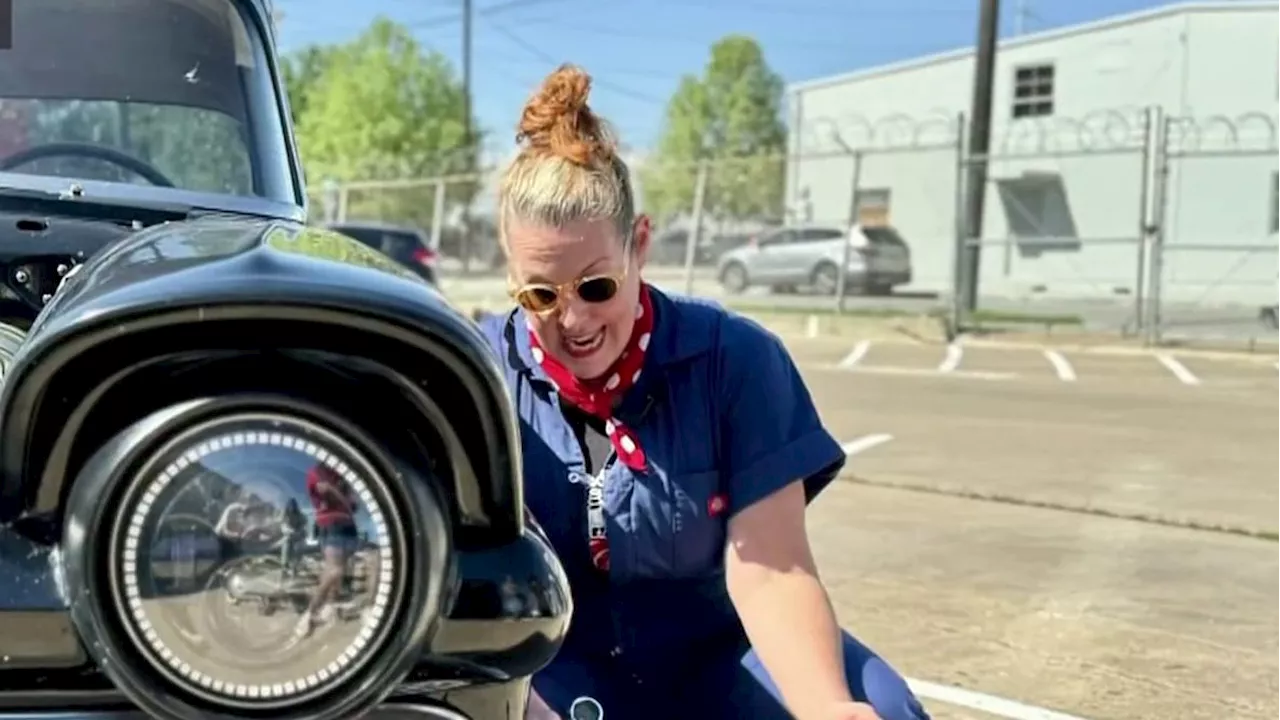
771 433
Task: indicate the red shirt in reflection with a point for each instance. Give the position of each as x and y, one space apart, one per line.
330 496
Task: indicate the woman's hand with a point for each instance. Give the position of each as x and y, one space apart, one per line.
537 709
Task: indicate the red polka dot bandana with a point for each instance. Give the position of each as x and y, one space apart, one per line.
599 397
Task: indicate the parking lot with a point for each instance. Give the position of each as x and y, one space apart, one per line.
1026 531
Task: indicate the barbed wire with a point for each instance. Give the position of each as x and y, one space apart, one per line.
858 132
1098 131
1251 131
1102 131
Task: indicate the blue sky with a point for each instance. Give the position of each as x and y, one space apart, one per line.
638 49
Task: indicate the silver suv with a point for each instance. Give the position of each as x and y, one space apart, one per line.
810 256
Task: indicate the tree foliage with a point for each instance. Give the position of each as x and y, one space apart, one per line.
730 117
380 107
301 72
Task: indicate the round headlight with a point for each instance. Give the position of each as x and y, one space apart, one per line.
257 561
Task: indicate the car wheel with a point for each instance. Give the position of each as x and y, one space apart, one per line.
826 278
11 337
734 278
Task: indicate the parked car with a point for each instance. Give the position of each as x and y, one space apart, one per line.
669 247
810 256
407 246
727 242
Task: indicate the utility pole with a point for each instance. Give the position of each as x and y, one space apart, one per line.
469 151
466 69
979 145
1021 11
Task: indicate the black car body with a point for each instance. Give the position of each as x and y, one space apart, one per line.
177 347
405 245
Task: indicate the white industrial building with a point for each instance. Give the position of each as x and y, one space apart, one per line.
1068 149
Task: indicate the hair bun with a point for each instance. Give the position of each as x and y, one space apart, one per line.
558 121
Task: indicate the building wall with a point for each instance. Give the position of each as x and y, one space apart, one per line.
1198 63
1229 72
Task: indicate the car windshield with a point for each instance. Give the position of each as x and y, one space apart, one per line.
883 235
146 92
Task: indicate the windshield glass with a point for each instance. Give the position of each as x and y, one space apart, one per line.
147 92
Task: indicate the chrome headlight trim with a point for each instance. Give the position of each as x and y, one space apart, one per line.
142 504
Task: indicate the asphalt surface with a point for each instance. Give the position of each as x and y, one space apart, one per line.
1085 532
1206 321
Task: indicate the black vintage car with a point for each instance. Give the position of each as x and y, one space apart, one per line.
248 468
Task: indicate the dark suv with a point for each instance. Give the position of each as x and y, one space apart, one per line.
405 245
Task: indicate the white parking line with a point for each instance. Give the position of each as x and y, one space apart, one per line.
982 702
856 354
952 359
1179 370
1066 373
864 443
917 372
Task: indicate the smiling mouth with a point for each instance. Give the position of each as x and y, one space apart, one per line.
582 347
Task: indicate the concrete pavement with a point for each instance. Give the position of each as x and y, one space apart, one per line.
1022 523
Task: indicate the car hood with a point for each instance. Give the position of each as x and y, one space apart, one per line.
217 258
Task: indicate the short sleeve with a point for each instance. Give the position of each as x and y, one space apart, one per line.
771 434
491 326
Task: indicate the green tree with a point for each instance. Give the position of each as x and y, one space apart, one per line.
302 71
730 116
382 107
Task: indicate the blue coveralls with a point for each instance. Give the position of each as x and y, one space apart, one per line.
720 410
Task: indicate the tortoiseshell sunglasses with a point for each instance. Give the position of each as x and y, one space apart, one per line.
544 298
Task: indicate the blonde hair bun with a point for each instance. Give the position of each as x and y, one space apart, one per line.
557 121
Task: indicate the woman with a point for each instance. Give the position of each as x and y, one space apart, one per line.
335 508
670 448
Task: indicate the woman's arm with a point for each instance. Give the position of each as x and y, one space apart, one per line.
775 456
785 610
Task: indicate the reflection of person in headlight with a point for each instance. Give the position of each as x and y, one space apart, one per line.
335 507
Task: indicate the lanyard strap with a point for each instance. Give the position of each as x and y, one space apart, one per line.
597 537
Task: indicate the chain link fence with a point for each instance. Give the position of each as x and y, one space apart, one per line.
1064 220
1129 222
1214 250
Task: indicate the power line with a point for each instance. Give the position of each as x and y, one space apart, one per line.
443 21
497 9
538 53
667 37
791 7
493 54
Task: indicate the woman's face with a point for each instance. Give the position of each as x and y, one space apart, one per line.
586 337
